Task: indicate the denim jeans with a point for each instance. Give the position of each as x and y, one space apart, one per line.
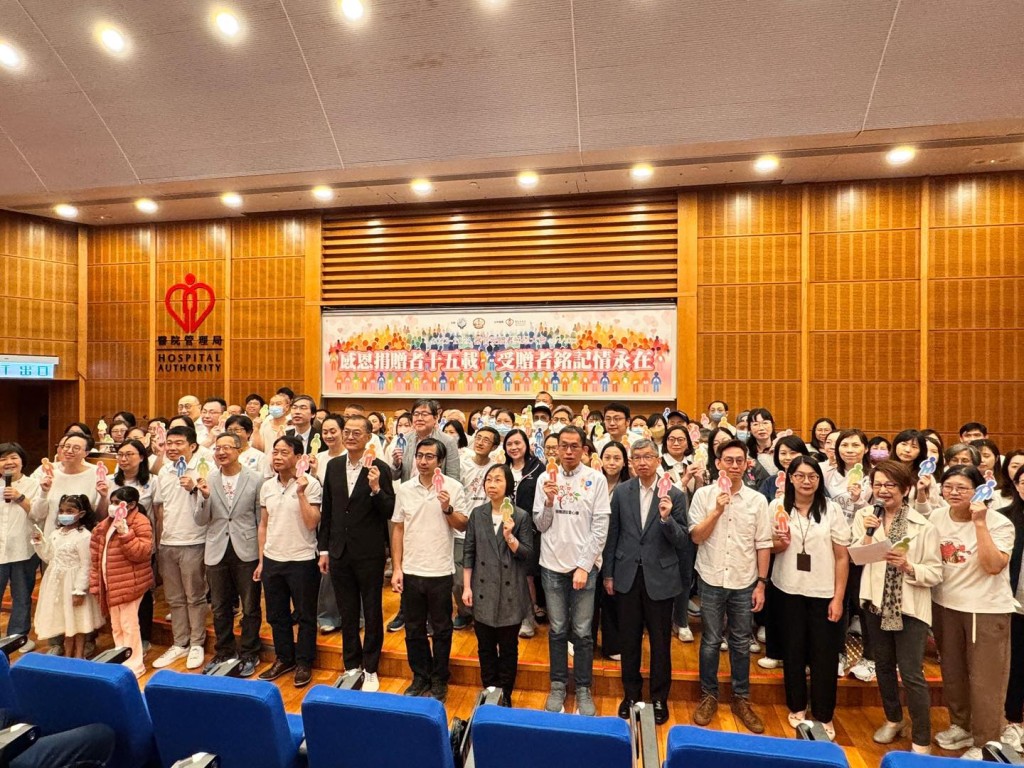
687 554
716 605
22 578
570 611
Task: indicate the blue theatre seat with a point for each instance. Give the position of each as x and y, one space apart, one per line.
354 729
241 721
910 760
8 700
515 738
57 694
692 747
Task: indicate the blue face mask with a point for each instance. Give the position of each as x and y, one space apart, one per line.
66 519
503 429
717 417
638 431
276 411
742 434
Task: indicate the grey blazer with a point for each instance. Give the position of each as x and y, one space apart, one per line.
452 463
501 596
655 547
237 524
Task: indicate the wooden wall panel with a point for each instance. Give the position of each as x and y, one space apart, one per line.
39 285
616 248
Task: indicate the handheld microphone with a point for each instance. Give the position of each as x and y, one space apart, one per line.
8 479
879 510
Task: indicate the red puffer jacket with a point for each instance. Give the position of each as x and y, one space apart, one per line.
129 572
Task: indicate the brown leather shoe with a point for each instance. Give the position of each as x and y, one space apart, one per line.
277 669
705 710
744 712
303 675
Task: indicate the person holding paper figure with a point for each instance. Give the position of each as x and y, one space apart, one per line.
896 595
808 590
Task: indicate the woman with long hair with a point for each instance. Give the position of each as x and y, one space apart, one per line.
526 469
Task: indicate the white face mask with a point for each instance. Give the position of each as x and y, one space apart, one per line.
556 427
540 424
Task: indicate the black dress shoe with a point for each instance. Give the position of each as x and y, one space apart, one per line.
277 669
439 690
660 712
624 707
303 675
419 687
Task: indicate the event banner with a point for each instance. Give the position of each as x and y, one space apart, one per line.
573 351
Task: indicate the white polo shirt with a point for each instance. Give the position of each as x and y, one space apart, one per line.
728 558
428 540
179 524
15 525
288 538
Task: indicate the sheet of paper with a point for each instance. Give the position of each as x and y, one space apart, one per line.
862 554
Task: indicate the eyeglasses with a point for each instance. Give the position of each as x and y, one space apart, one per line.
956 490
733 461
352 433
130 455
425 456
571 446
484 438
677 439
422 414
885 486
644 458
802 478
72 449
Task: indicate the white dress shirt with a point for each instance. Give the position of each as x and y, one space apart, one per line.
728 557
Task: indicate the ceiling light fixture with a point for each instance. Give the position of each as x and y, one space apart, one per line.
66 211
900 155
353 9
146 205
323 193
231 199
421 186
766 164
9 56
227 23
112 39
641 172
528 179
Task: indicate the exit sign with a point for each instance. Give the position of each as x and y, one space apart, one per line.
27 367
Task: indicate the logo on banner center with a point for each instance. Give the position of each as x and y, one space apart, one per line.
189 303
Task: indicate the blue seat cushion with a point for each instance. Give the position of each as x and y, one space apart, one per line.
692 747
910 760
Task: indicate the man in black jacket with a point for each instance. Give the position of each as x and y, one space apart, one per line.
358 502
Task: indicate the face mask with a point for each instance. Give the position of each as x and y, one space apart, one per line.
66 519
717 417
878 454
276 411
742 434
540 424
556 427
636 431
503 429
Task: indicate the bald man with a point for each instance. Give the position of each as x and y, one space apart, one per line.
190 406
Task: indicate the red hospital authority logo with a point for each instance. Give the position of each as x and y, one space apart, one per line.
190 303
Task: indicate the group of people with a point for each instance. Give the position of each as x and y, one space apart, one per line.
605 525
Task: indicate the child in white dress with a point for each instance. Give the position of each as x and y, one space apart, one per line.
65 606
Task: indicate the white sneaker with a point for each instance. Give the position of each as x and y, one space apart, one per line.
842 666
1012 734
795 718
954 737
755 647
170 656
766 663
572 652
27 647
974 753
864 670
692 608
167 617
724 646
685 635
371 683
527 629
761 635
855 626
196 656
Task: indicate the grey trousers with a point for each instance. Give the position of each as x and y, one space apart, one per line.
184 575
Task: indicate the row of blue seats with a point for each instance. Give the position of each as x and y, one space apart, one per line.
244 723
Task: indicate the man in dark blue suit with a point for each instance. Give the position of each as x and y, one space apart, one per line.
641 570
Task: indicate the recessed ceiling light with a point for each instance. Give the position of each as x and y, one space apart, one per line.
323 193
421 186
231 200
641 172
900 155
353 9
9 56
146 205
65 211
766 164
227 23
528 179
112 39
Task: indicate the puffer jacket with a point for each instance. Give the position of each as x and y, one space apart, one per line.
129 572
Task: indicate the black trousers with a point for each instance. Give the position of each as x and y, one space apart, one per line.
606 618
903 649
357 583
1015 688
810 639
231 580
498 648
146 616
428 597
637 611
288 584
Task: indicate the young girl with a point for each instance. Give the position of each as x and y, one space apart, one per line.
121 571
497 555
65 606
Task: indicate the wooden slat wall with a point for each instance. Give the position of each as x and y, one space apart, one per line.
611 249
976 305
39 286
864 308
748 300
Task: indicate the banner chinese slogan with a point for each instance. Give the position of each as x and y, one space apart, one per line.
573 351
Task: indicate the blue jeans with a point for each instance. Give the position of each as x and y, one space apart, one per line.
577 605
680 617
716 605
22 578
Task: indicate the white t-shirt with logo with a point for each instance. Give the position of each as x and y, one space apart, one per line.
966 586
579 527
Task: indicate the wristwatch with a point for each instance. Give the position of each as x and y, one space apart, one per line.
20 499
447 512
762 579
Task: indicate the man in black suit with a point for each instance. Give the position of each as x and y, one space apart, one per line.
303 408
641 570
358 502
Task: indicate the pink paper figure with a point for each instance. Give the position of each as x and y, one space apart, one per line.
301 466
438 481
664 486
101 472
724 484
780 481
120 513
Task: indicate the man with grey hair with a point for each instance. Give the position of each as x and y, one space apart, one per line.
230 510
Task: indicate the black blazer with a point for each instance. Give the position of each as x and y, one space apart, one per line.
526 488
655 547
358 524
314 430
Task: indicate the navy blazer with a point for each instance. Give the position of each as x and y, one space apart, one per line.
654 547
358 524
